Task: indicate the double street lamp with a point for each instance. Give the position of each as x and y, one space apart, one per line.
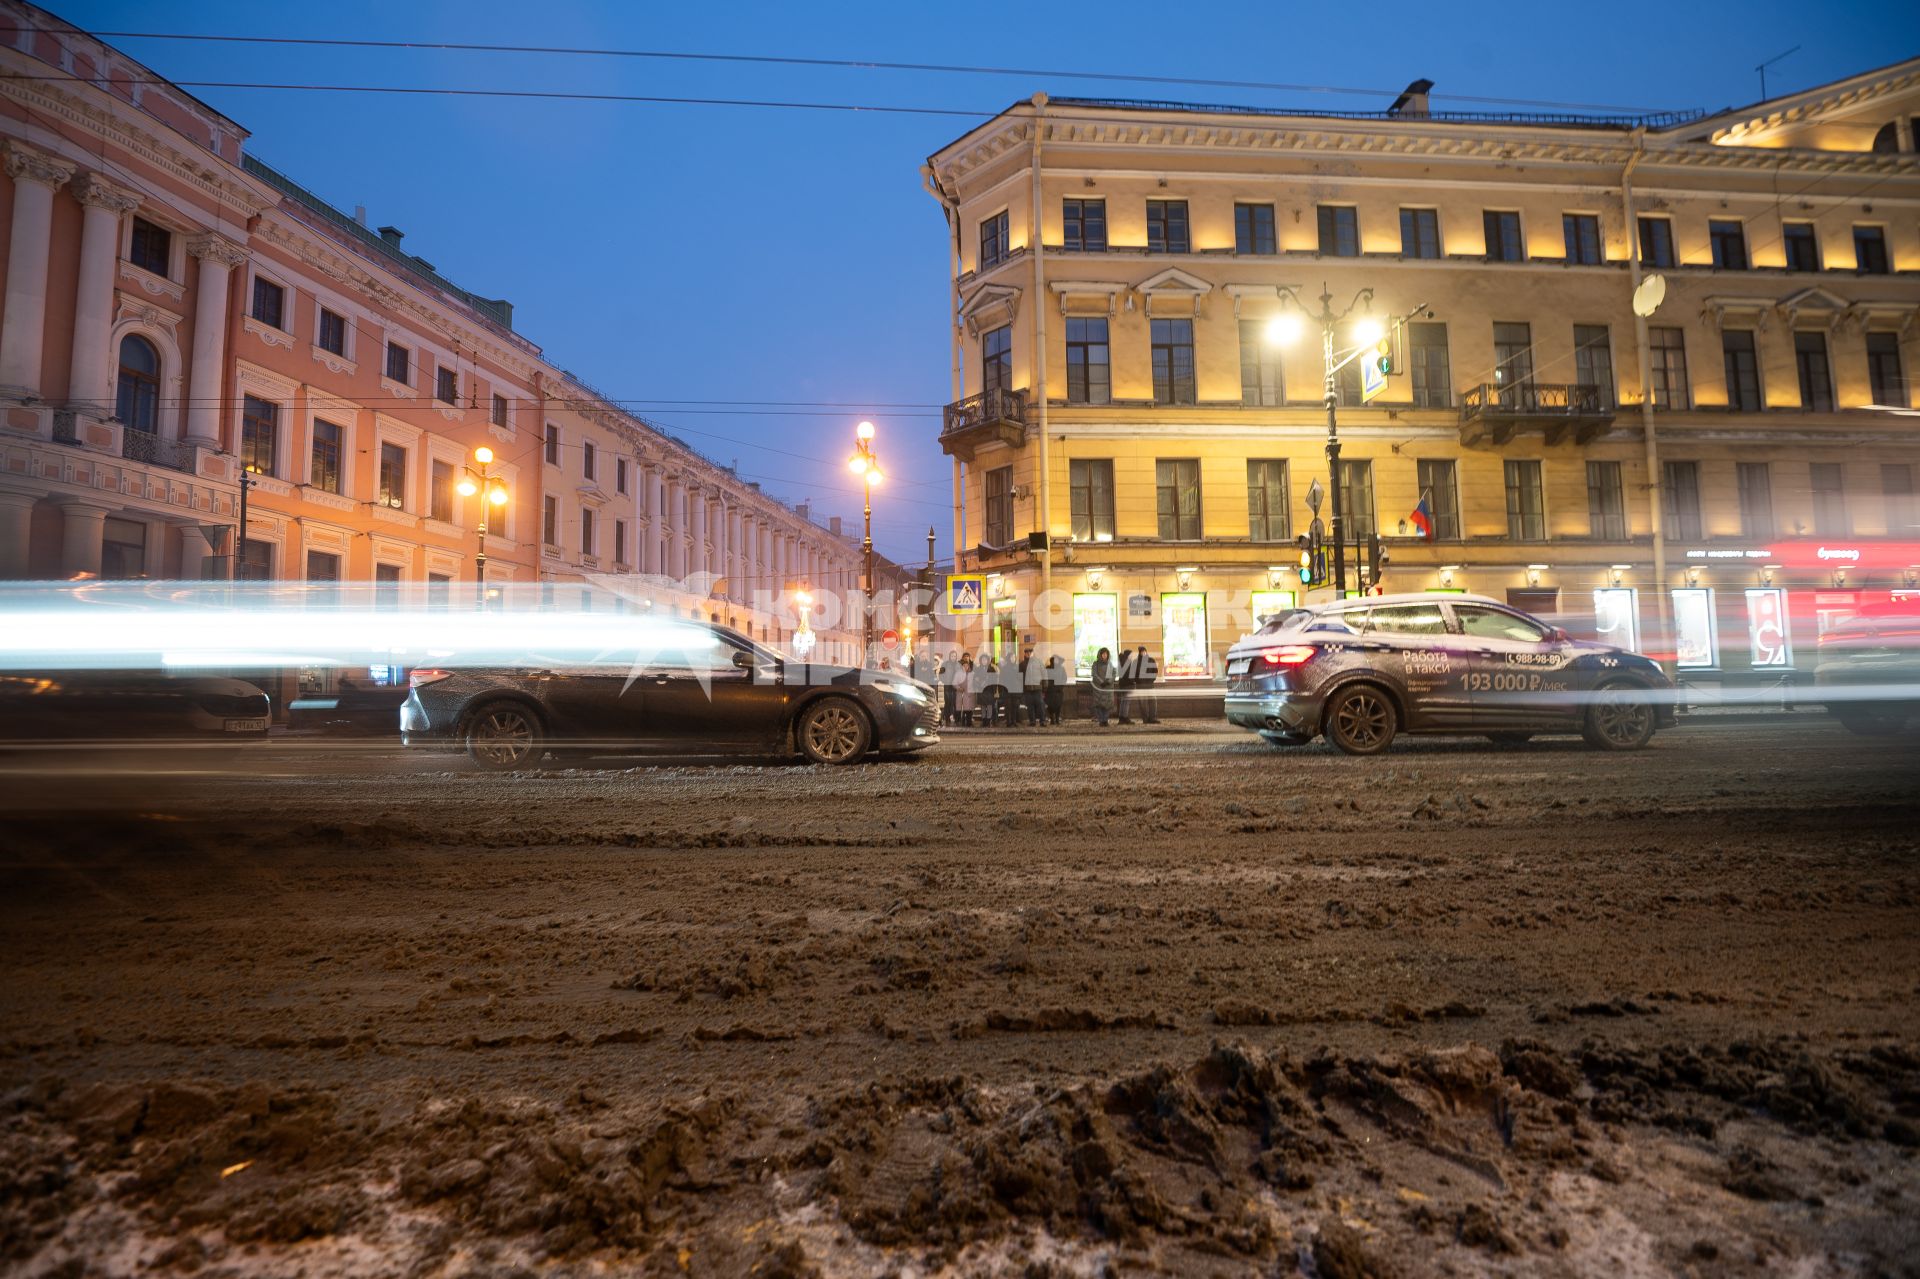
476 480
864 464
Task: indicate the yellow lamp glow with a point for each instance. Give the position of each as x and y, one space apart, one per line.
865 430
1284 328
498 497
873 475
483 455
1367 332
858 465
467 488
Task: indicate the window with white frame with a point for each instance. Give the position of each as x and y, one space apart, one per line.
269 303
399 363
393 476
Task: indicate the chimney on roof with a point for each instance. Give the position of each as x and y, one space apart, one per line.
1412 104
754 485
392 235
803 510
360 214
833 525
505 308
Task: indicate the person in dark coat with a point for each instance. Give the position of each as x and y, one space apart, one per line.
1032 694
1145 672
1054 688
1123 684
951 678
1101 686
993 693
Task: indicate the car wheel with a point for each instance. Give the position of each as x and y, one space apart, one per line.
833 730
505 735
1509 739
1620 719
1361 720
1870 721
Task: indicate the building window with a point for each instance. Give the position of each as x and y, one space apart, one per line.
323 471
447 386
587 459
1173 361
1267 500
1356 499
993 241
1896 488
1339 231
332 333
259 434
440 491
1177 493
1090 485
1346 386
137 393
1526 503
269 303
323 566
1084 225
619 474
1089 362
393 477
1885 382
1816 379
1756 499
1729 241
1419 233
1803 249
1593 360
386 585
1656 242
1606 502
1432 376
996 359
1261 382
999 495
1583 238
553 445
586 530
1669 353
1253 229
399 364
1680 499
151 247
1167 226
1503 236
619 541
1870 250
550 520
256 561
499 415
1829 500
1512 355
123 549
1743 370
1440 486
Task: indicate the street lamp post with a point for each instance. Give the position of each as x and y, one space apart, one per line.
240 541
1283 327
867 467
476 480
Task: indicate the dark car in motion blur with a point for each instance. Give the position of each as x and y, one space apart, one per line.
673 687
1868 672
113 707
1363 671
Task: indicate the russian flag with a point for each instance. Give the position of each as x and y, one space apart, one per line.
1422 518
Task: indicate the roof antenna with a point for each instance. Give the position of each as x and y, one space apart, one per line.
1762 69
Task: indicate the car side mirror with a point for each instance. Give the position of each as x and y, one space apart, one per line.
1559 635
744 660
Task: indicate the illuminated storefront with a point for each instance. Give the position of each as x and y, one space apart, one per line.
1096 625
1183 636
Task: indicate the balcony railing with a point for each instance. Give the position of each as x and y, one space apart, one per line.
993 415
145 446
1491 412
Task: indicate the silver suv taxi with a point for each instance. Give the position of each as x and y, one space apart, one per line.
1362 671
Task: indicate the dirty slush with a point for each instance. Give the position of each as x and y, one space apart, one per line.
1159 1004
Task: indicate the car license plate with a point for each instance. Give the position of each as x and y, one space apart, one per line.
246 725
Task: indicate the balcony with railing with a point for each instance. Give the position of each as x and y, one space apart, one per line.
145 446
993 416
1492 412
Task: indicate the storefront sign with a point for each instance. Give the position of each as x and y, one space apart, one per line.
1693 628
1616 617
1183 635
1815 553
1139 606
1096 625
1767 642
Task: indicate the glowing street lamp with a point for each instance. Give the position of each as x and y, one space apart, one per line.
864 464
476 481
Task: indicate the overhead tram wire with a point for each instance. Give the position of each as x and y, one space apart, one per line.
859 64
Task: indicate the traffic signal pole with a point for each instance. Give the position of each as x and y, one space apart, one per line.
1336 525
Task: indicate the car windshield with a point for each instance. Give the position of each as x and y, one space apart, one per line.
1493 623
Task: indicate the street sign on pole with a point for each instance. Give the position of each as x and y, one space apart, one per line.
890 640
965 593
1314 496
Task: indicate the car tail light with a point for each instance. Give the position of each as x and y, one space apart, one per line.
427 675
1291 655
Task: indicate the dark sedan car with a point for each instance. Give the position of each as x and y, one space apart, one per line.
1869 669
679 687
1362 671
129 708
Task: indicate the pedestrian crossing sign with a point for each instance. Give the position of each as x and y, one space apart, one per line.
965 593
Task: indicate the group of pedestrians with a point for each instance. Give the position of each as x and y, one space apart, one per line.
1030 693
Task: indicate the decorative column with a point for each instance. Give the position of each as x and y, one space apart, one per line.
85 533
23 324
218 256
655 556
90 388
16 527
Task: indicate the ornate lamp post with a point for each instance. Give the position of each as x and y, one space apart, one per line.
867 467
476 480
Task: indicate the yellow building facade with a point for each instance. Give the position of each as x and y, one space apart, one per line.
1145 482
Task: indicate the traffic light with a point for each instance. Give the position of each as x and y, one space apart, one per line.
1377 558
1383 355
1306 559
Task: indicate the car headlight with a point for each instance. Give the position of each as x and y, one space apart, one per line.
907 691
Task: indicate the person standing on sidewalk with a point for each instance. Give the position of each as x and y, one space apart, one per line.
1102 684
1032 693
966 700
950 679
1145 671
1054 685
1123 684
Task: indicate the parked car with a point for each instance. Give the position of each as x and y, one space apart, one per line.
1868 670
351 710
1365 670
672 686
111 707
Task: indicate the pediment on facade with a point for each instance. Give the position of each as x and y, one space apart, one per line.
989 307
1257 294
1174 292
264 382
1724 311
1813 304
1090 297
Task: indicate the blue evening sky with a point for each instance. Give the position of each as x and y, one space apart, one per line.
729 253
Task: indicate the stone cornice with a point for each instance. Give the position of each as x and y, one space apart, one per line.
1811 104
